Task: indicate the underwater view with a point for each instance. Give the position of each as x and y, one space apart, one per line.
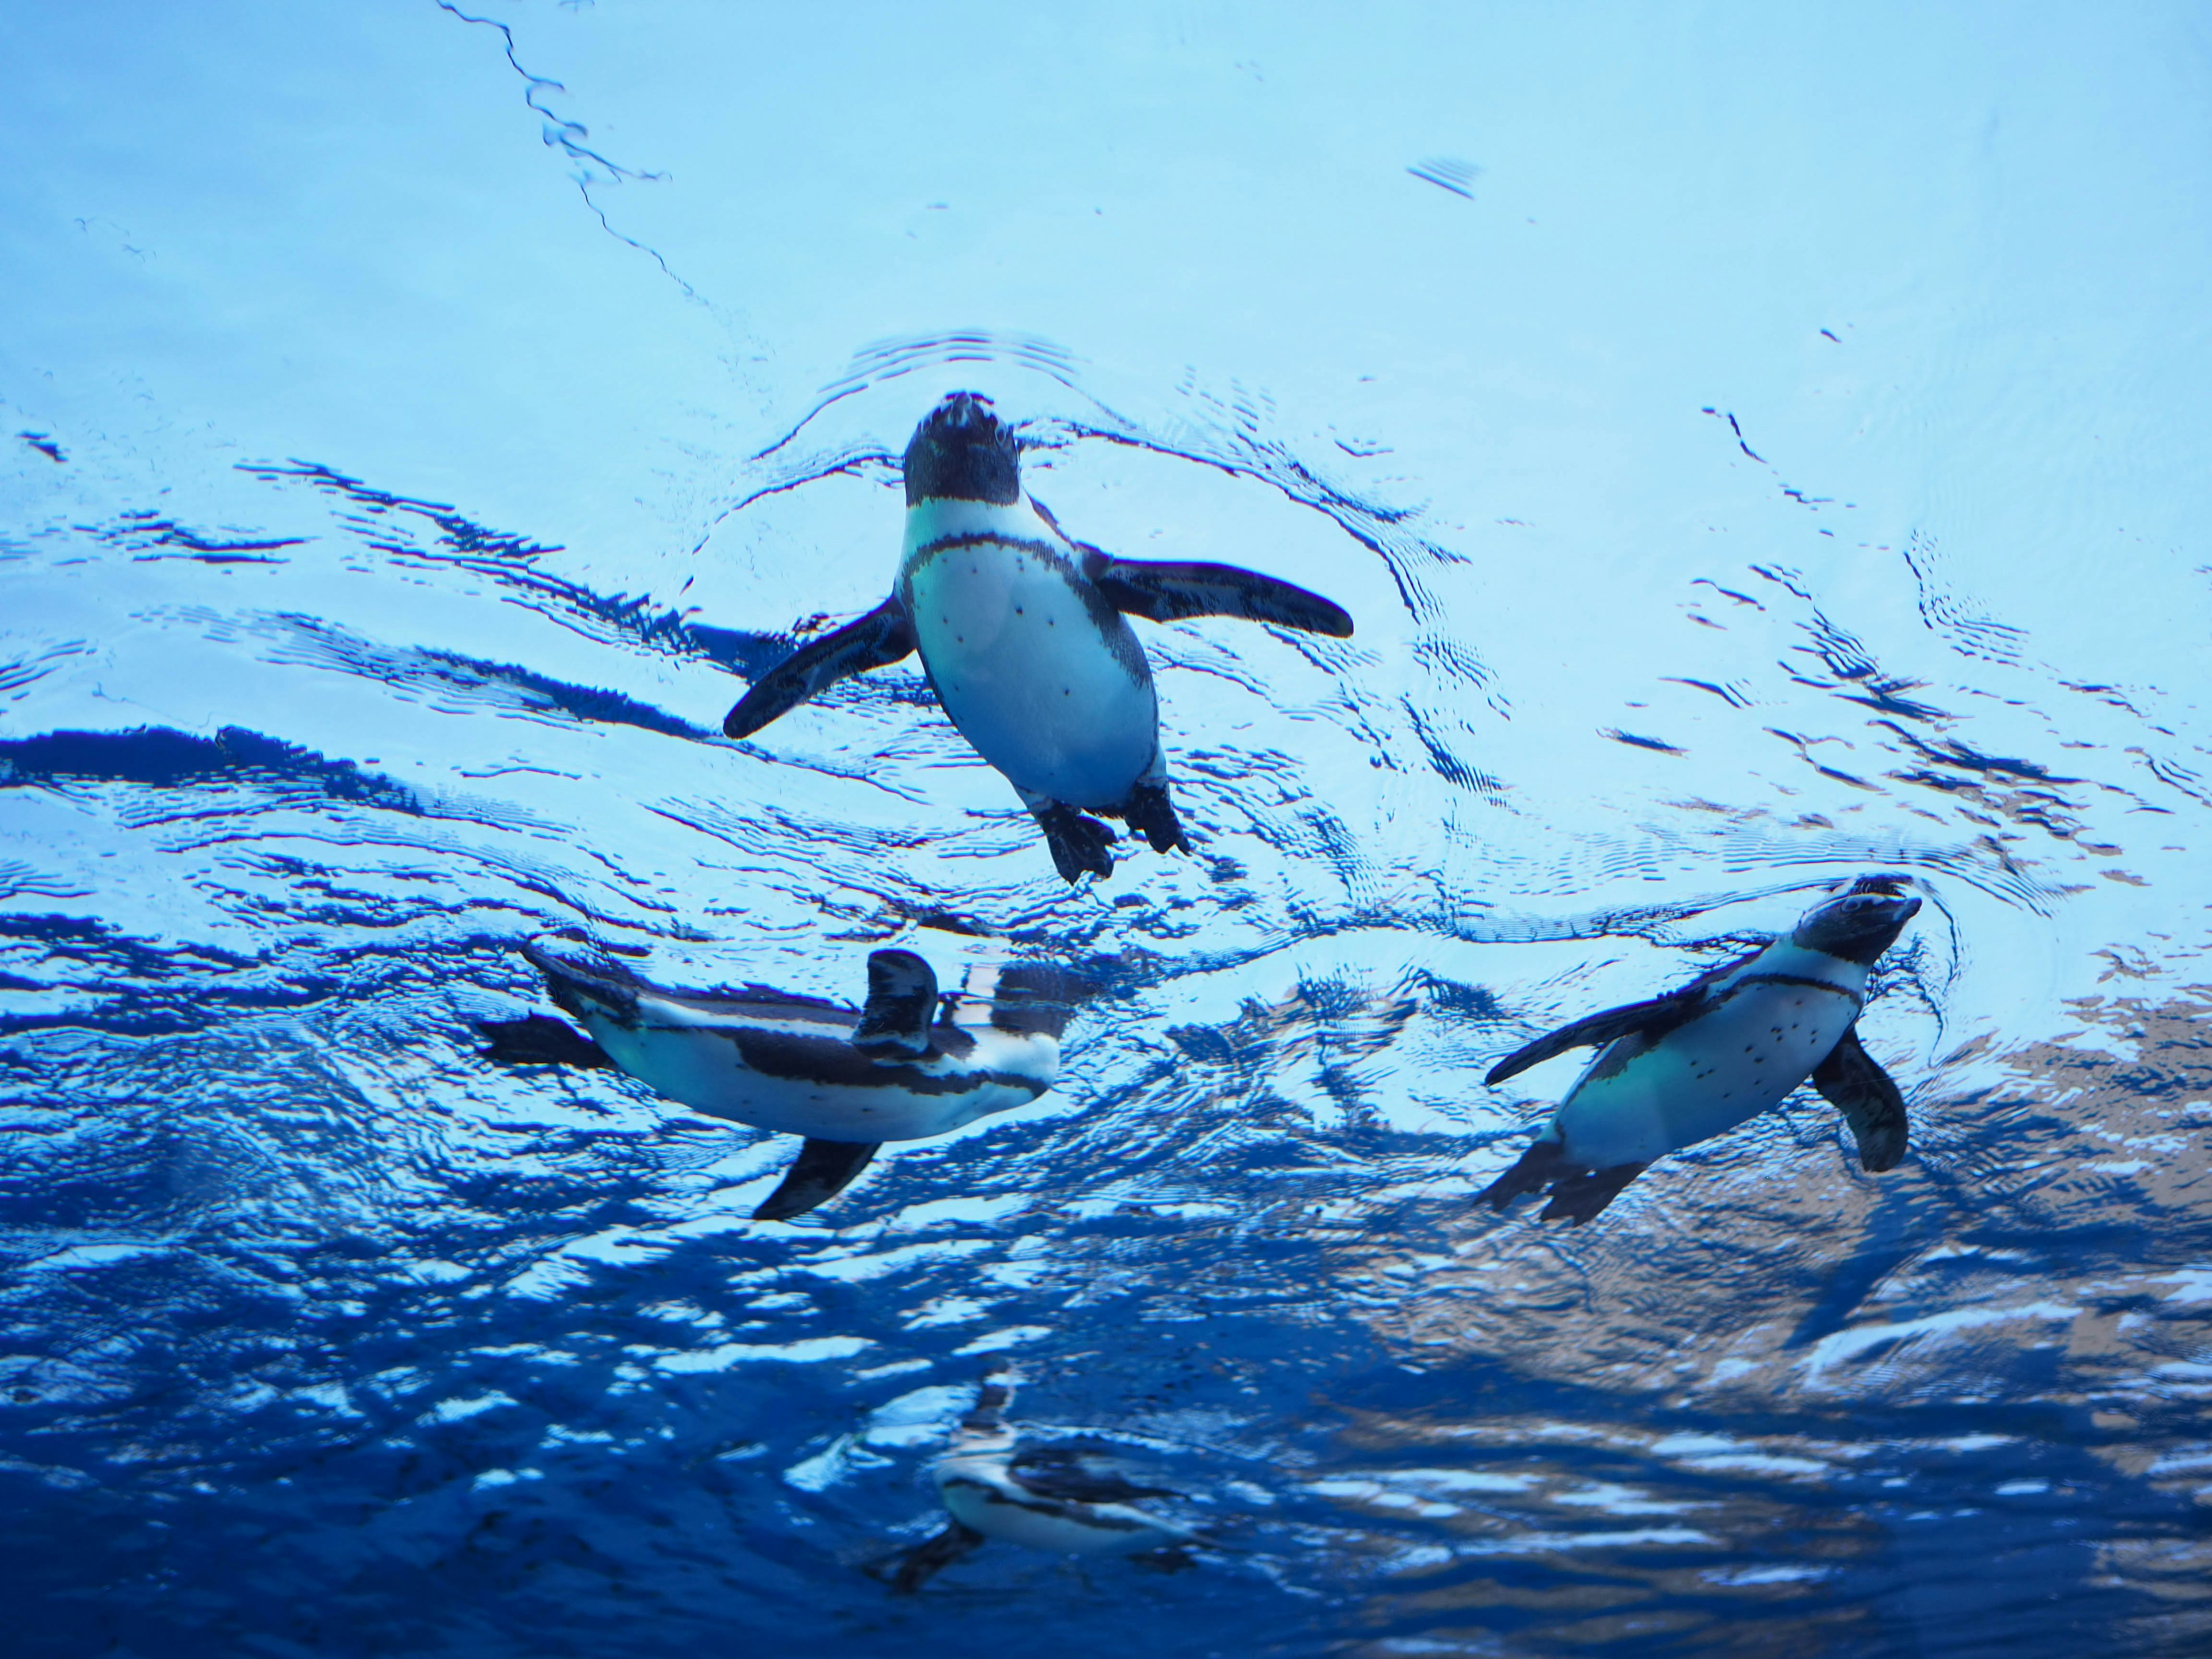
1183 829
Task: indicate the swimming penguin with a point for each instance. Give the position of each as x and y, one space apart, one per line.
1067 1498
1022 634
846 1080
1696 1062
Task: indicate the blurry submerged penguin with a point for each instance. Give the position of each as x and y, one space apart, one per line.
1696 1062
1022 636
846 1080
1071 1499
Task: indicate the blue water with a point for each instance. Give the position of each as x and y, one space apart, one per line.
1756 448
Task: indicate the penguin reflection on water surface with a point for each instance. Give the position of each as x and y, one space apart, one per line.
1068 1499
846 1080
1730 1044
1022 636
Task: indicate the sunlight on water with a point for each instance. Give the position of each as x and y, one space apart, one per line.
1756 452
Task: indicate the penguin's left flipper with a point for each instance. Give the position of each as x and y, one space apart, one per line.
1654 1018
901 1003
933 1556
823 1169
1869 1099
881 637
1169 592
539 1040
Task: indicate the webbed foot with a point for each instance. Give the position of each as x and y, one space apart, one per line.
1152 814
1577 1192
1577 1197
1080 843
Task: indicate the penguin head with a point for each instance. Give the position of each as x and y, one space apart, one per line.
963 451
1860 922
608 991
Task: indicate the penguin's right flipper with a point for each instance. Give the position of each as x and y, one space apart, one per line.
901 1003
823 1169
933 1556
1869 1099
1654 1018
539 1040
1079 843
882 636
1169 592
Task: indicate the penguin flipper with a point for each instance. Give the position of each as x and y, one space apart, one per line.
539 1040
823 1169
1654 1018
931 1556
1080 843
882 636
1169 592
901 1003
1869 1099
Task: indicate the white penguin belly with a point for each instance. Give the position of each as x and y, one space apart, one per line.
1084 1529
700 1067
1058 698
1705 1078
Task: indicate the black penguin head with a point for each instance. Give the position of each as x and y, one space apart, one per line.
963 451
1860 922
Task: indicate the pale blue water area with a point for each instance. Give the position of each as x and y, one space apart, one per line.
1759 446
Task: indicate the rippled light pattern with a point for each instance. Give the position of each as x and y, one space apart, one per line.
1758 447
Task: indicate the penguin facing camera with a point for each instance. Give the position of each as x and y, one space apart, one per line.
846 1080
1696 1062
1022 636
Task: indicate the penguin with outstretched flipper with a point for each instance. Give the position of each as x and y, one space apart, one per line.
846 1080
1697 1061
1023 635
1069 1499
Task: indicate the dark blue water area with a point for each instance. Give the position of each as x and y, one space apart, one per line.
1757 452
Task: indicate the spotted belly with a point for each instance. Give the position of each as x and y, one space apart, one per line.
1636 1103
1042 676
